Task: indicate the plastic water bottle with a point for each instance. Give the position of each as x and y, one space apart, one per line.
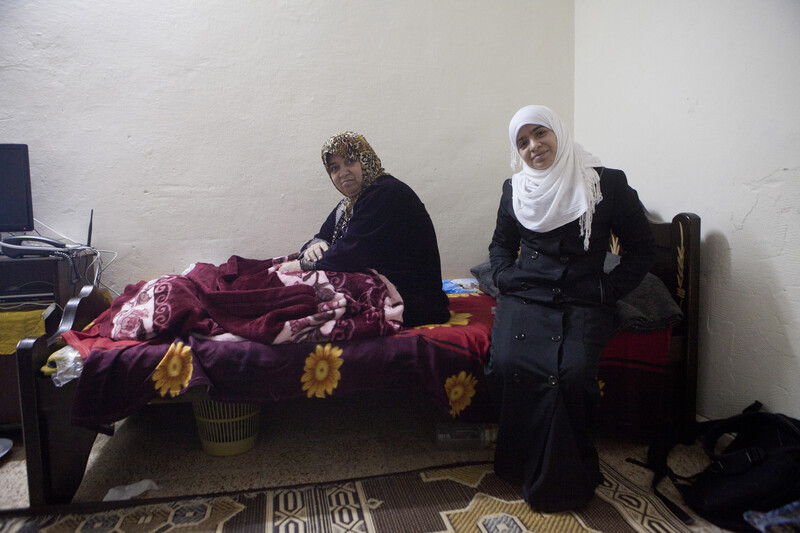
461 436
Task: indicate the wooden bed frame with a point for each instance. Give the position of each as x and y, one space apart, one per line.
57 452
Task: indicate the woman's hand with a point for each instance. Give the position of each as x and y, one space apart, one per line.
290 266
315 251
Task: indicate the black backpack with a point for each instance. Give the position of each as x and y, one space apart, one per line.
758 471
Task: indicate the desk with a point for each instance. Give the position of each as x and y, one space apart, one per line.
43 278
29 283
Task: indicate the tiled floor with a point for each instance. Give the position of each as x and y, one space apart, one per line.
299 442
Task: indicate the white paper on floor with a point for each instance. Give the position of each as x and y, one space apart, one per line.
126 492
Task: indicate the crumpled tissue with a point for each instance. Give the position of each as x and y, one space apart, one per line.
126 492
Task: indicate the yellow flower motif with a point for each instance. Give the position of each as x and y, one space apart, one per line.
602 385
175 370
456 319
322 371
460 389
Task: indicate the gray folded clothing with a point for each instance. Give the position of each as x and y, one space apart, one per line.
483 273
649 307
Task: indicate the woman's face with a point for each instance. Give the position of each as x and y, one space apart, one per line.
346 174
537 145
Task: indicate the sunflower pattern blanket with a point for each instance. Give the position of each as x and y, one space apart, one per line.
333 334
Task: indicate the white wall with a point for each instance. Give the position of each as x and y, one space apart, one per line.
193 129
698 103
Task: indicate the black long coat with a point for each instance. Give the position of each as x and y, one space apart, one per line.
553 319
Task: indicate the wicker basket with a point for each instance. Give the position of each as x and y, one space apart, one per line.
226 428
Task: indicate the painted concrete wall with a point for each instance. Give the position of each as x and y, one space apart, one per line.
193 129
698 103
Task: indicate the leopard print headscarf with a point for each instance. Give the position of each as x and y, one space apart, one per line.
351 145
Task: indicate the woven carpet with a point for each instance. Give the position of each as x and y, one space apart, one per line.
461 498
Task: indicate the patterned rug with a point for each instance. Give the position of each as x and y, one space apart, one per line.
462 498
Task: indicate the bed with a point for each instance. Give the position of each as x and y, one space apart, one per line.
647 373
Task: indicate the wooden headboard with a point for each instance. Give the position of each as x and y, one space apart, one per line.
678 266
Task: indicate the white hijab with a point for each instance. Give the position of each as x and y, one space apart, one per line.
547 199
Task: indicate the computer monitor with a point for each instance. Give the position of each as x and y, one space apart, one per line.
16 206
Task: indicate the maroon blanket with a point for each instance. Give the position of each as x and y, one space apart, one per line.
250 299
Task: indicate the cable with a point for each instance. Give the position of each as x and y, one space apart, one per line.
37 282
26 305
68 256
99 267
54 231
96 263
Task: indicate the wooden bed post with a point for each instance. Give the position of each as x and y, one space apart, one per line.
56 452
686 251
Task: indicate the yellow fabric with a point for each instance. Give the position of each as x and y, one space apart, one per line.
16 325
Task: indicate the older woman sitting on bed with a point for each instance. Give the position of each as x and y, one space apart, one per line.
380 224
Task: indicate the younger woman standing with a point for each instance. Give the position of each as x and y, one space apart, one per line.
554 314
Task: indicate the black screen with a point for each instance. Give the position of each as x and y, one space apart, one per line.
16 208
